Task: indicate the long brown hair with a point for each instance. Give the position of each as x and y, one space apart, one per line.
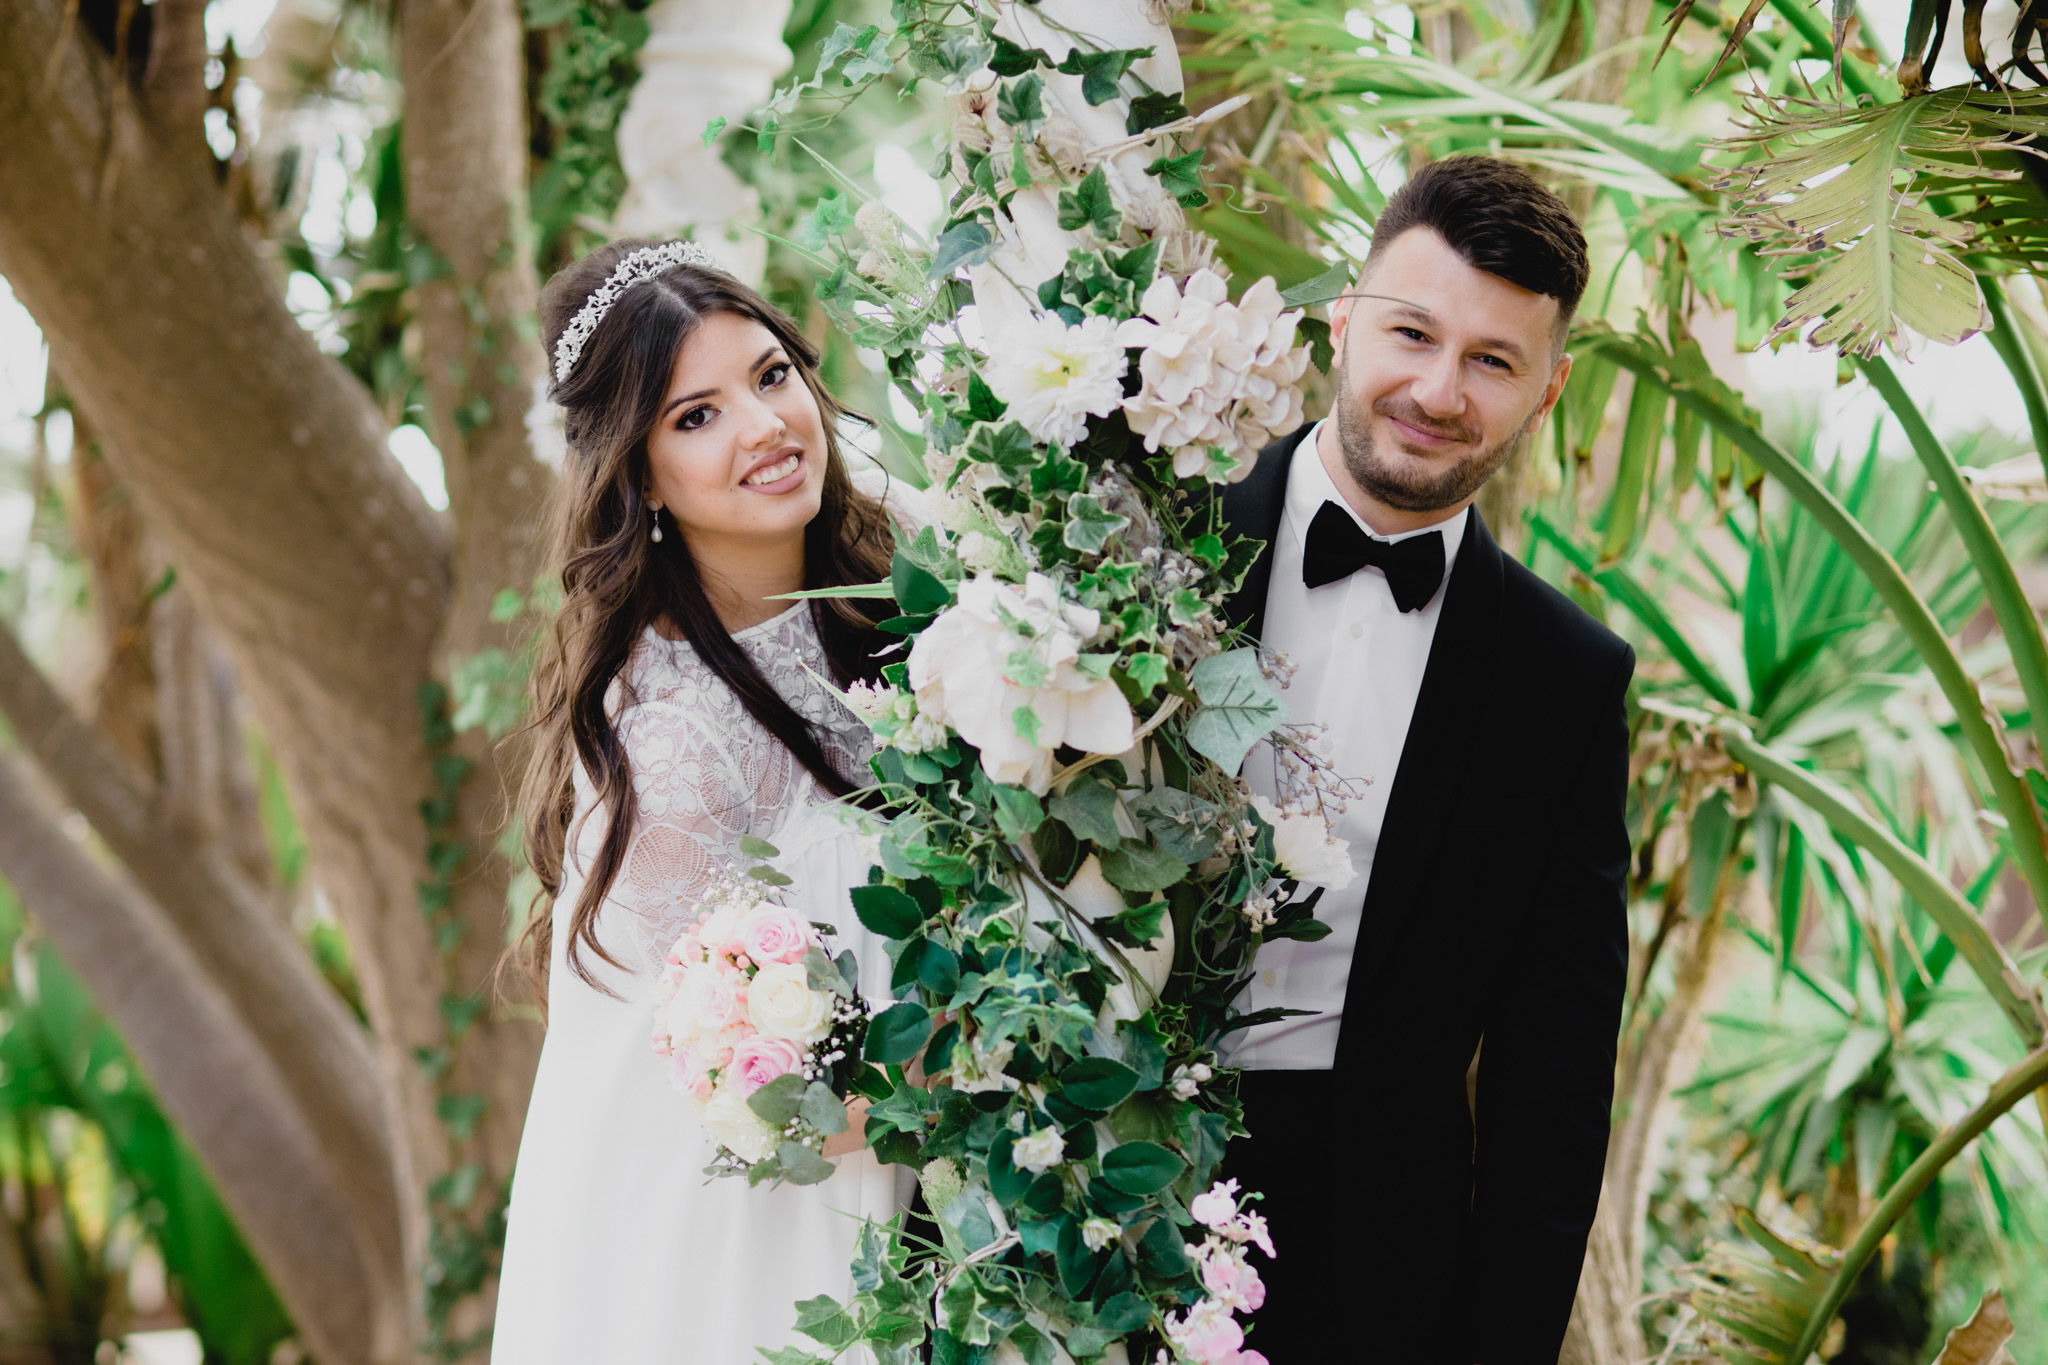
615 581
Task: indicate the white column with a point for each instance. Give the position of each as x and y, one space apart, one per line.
704 59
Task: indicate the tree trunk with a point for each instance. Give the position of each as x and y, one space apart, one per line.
228 1098
262 467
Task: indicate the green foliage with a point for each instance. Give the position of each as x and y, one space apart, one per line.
87 1154
589 75
1845 193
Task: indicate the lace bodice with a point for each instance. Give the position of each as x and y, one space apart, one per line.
705 774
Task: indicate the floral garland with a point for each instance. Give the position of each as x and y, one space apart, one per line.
1071 877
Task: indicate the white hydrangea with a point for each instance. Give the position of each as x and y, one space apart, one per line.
1217 375
1055 377
1003 667
1306 849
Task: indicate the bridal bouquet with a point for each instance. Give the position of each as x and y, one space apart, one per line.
760 1028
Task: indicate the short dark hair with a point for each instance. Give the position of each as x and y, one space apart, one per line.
1501 219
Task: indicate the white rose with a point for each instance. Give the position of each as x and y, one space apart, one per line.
1305 848
972 671
1098 1233
737 1128
781 1004
977 1069
707 1004
1039 1152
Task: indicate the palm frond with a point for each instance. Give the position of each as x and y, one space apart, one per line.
1844 192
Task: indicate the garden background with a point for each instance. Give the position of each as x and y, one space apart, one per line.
269 470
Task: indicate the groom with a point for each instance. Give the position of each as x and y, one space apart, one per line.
1483 716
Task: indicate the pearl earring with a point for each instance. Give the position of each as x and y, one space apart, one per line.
655 534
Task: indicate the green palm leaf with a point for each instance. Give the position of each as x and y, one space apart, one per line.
1844 192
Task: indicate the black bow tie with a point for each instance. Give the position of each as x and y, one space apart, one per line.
1337 549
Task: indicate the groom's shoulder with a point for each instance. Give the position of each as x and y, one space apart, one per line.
1546 627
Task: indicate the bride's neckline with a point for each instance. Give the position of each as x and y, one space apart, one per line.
653 631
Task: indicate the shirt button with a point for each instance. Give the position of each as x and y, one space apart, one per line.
1358 630
1269 977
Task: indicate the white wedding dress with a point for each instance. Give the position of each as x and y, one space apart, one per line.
618 1250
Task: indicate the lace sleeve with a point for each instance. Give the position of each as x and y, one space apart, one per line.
693 806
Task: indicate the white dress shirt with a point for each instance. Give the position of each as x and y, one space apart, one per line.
1359 665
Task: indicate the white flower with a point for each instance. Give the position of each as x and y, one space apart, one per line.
781 1004
1217 375
976 1068
1055 377
1187 1081
1305 848
735 1127
1039 1152
980 552
1002 666
870 701
1098 1233
921 734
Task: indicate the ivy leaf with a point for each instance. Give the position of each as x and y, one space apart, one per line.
1090 524
1181 177
1239 707
959 246
713 129
1089 205
824 1320
1088 808
1135 865
1153 109
1021 104
1012 60
1183 823
1147 671
1018 812
1141 1168
856 54
964 53
1005 445
1100 72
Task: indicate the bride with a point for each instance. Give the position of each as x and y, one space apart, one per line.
679 708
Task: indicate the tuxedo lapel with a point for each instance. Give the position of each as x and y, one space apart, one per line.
1435 758
1252 507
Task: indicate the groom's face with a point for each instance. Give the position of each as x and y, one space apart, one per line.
1440 381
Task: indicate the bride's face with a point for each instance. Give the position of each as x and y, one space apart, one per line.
738 451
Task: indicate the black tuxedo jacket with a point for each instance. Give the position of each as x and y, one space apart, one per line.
1451 1228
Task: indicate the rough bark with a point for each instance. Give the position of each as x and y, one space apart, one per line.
226 1096
465 168
268 986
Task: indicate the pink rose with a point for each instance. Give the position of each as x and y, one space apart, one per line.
759 1060
690 1072
773 934
1252 1358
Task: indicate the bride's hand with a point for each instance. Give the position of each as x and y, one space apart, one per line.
854 1136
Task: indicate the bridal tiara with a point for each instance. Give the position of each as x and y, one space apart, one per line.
643 264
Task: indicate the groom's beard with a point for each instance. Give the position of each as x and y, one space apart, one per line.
1410 491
